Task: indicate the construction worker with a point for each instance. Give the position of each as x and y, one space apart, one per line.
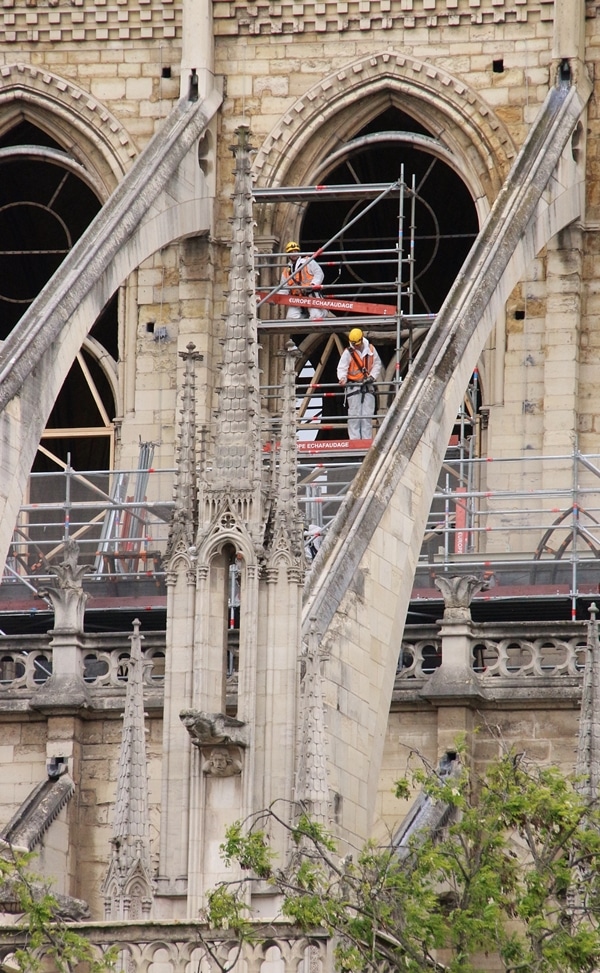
301 277
358 369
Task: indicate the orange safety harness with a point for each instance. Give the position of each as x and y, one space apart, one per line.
298 280
359 374
359 369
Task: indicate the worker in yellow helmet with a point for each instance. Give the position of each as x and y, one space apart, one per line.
358 370
301 277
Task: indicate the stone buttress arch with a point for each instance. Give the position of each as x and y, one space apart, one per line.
164 196
382 519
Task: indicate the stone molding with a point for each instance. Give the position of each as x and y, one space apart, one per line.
517 651
290 17
405 75
179 944
27 662
44 92
47 21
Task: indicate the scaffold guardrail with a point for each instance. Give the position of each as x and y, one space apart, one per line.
528 524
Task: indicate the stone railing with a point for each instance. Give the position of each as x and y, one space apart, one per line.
27 662
511 650
180 947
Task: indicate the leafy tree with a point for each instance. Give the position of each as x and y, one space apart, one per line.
42 936
511 883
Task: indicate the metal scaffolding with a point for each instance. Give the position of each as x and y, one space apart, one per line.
486 518
394 289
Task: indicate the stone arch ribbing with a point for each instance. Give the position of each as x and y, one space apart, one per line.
449 108
92 134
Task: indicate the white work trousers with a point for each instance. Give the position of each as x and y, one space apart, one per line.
315 313
361 409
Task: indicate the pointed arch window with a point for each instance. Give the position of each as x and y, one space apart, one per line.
47 200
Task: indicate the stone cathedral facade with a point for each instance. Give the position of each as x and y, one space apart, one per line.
173 653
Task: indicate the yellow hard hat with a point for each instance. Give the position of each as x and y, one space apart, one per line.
355 335
291 246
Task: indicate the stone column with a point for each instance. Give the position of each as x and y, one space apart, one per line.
197 53
64 695
569 35
65 690
455 688
561 346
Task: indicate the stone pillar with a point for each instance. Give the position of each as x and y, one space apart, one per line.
64 695
561 340
65 690
177 757
569 35
217 789
197 53
455 688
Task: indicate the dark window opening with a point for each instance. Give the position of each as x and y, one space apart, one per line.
44 208
363 261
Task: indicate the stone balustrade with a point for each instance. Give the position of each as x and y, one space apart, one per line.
164 947
27 662
513 650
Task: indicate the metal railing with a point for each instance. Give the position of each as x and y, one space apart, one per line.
119 519
524 523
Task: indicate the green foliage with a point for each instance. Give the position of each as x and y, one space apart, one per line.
47 936
250 850
514 875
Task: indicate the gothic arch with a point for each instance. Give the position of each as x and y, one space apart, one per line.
215 544
330 111
105 362
92 146
304 147
91 134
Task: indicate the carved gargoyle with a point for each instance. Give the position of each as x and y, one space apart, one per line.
67 907
212 729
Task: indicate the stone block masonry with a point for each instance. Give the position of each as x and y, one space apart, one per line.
22 23
288 17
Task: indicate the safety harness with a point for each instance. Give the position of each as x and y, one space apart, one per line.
365 381
299 281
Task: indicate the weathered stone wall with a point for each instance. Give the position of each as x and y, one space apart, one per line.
117 52
542 729
23 754
305 76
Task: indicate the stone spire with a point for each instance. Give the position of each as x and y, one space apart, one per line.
286 526
312 787
235 467
128 886
183 527
588 748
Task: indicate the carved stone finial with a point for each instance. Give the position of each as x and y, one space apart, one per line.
243 136
68 597
458 592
